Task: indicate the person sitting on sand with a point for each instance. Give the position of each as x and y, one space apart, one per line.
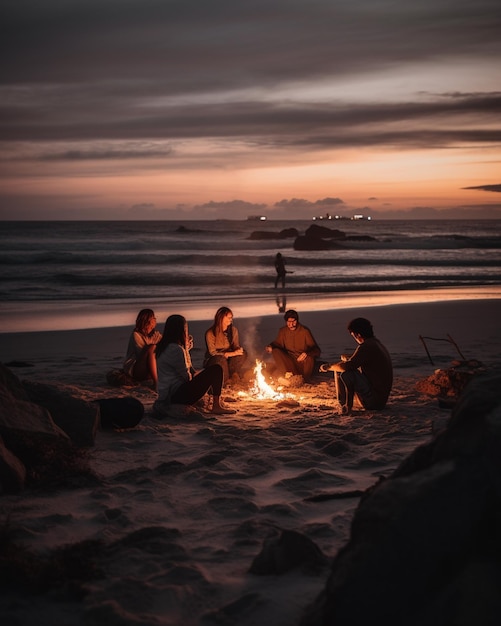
294 350
368 372
223 345
177 381
140 363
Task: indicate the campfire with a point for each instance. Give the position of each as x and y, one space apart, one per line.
262 390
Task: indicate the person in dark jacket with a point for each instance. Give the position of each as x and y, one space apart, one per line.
368 372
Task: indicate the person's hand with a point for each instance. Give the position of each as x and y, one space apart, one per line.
237 352
345 357
301 357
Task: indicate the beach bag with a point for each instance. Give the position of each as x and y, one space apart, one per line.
120 412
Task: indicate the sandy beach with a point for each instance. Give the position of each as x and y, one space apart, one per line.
183 507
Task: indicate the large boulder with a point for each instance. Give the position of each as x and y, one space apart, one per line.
20 416
79 419
8 380
425 544
12 471
323 232
34 449
25 430
286 233
120 413
313 243
319 238
286 550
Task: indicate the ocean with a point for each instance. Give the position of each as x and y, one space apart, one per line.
69 274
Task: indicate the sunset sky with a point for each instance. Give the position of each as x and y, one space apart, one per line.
190 109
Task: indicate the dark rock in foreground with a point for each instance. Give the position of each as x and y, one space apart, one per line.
425 545
285 552
36 448
77 418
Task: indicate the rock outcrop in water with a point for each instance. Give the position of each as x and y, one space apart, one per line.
319 238
286 233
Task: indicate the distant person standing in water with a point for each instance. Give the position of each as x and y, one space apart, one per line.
281 271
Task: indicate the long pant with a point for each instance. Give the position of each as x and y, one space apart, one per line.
230 366
194 389
287 363
350 383
280 278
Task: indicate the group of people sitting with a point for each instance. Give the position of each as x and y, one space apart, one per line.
164 358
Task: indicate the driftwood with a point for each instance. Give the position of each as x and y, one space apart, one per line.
447 338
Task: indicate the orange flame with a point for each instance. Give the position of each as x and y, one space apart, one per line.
261 389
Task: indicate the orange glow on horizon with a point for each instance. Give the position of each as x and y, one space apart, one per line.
380 180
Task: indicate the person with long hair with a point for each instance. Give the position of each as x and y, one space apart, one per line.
140 363
223 345
177 381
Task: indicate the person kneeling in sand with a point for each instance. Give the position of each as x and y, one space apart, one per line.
177 381
368 372
294 350
223 345
140 363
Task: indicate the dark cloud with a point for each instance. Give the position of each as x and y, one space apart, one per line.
111 80
195 44
119 69
495 188
441 122
98 155
232 205
307 204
